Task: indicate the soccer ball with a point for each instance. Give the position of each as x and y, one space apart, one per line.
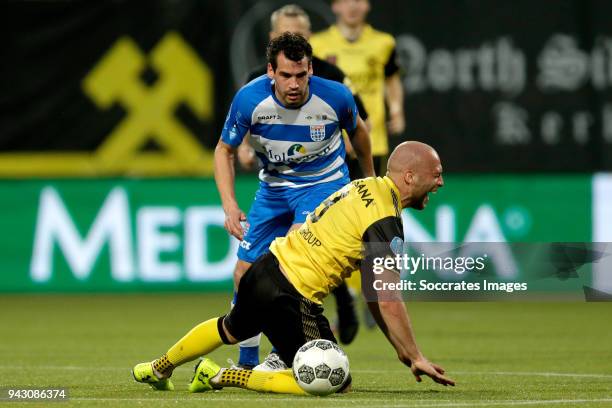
320 367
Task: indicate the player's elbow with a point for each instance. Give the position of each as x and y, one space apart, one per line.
390 308
223 150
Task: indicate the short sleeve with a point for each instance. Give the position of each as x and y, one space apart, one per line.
348 111
384 230
391 67
360 107
237 122
383 239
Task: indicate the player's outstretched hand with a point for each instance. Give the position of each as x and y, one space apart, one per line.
232 224
434 371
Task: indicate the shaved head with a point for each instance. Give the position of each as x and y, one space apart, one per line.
416 170
411 155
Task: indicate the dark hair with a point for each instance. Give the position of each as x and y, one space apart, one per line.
294 46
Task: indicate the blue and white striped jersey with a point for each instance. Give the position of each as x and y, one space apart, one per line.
297 147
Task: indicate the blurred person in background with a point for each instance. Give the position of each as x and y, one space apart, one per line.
368 58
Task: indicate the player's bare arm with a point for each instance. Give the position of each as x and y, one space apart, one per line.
363 148
224 177
394 93
393 319
246 154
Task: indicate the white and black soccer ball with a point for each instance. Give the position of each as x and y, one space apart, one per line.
320 367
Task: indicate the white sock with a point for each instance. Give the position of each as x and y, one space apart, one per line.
252 342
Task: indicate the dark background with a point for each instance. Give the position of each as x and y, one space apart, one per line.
491 121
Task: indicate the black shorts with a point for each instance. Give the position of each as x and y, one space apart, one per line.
267 303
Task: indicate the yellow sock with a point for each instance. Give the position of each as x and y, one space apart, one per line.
200 340
280 382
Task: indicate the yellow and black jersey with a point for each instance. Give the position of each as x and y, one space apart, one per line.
329 246
368 61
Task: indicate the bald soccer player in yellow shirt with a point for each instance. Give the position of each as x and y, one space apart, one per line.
368 57
281 293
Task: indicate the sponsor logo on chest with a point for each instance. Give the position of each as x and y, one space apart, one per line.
265 117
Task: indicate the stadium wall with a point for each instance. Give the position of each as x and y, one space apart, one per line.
119 88
120 235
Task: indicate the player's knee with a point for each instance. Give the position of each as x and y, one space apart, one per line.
230 339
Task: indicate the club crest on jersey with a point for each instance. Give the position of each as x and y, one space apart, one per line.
317 132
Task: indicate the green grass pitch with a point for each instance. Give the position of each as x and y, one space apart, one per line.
500 354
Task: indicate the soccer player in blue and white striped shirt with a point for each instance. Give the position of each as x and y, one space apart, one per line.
295 121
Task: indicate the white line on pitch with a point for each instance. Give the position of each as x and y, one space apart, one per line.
525 373
539 374
495 403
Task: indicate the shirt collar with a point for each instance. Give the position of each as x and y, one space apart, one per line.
366 31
